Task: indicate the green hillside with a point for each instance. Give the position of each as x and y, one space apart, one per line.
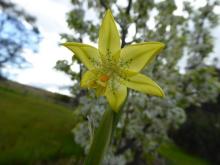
33 127
176 156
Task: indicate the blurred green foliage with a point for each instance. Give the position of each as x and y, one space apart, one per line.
181 70
33 129
200 133
38 130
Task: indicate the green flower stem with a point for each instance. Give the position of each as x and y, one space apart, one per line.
101 138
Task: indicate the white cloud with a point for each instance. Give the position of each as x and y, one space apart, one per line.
51 20
51 14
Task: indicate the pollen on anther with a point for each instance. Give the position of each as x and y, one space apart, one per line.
104 78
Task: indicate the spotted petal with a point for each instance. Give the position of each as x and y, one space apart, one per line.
116 97
109 40
143 84
135 57
89 78
87 54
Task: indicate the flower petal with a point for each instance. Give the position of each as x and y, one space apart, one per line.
135 57
109 40
143 84
116 97
89 79
87 54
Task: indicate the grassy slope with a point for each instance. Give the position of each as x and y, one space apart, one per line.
33 128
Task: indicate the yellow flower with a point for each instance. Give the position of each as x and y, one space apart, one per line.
112 69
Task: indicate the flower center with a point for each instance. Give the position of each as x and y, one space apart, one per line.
104 78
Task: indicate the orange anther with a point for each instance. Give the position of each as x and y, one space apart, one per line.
104 78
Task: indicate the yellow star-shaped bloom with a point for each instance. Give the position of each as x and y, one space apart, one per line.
112 69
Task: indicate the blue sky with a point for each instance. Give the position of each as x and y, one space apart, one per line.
51 16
